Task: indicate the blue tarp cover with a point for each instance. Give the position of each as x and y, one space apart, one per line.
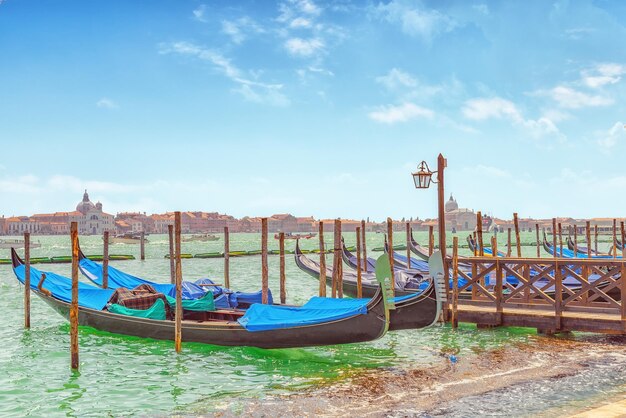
190 290
61 288
420 265
261 317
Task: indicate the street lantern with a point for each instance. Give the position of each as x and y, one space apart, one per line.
423 176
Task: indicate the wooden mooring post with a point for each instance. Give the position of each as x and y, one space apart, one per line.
408 245
508 242
537 239
264 269
27 280
560 240
621 224
517 239
479 230
454 318
588 238
178 313
281 251
363 243
359 285
337 288
170 233
554 247
575 240
322 286
74 361
614 238
595 247
390 243
226 258
105 260
431 240
142 246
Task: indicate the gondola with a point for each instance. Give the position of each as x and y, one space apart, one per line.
568 253
583 250
262 326
414 308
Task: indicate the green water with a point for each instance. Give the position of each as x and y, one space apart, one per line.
131 376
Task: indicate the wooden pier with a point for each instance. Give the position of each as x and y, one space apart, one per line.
591 300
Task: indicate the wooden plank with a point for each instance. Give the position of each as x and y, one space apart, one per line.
281 250
74 360
27 280
322 281
178 313
359 285
264 268
105 261
226 257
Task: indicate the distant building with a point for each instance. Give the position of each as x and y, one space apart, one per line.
92 220
460 219
17 225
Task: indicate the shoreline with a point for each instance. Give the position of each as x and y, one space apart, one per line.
445 387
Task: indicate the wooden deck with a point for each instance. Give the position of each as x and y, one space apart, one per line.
550 294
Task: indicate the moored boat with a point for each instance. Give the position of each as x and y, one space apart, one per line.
263 326
17 243
127 238
201 238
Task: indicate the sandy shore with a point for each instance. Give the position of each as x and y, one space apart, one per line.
427 390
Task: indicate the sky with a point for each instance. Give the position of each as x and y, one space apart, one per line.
319 108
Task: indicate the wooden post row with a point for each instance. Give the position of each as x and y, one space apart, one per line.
178 313
283 291
322 286
74 361
264 269
170 232
359 285
226 258
27 280
105 261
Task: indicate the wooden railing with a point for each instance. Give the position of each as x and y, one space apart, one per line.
557 285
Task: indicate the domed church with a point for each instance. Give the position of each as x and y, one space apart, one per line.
459 219
93 220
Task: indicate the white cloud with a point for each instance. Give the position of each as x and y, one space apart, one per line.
498 108
239 29
487 108
569 98
304 47
198 13
577 33
21 185
396 78
105 103
300 22
611 137
292 8
251 90
402 113
602 74
415 20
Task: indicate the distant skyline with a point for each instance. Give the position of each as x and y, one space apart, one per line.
313 108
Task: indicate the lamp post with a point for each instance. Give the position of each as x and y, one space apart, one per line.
423 177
